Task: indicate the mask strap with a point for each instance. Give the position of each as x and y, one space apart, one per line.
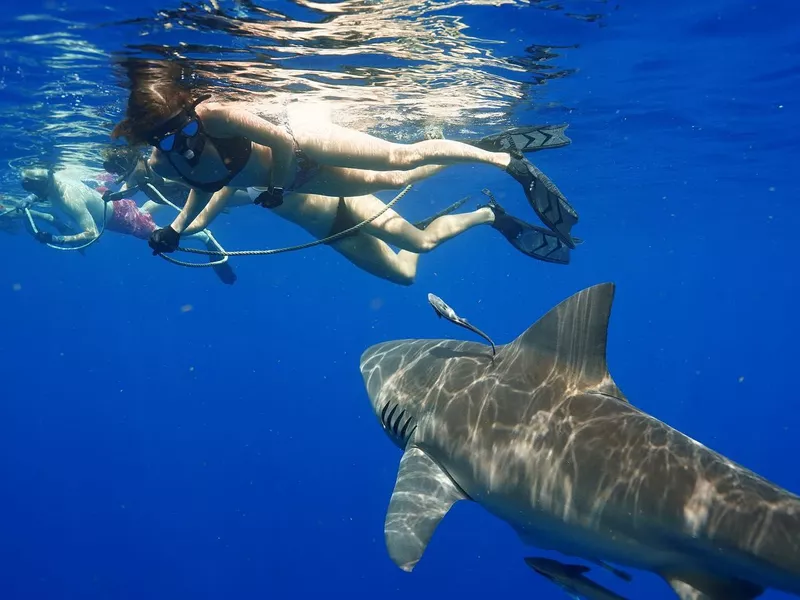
201 98
167 126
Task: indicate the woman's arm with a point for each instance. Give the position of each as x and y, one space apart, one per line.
224 121
196 201
195 204
229 122
215 206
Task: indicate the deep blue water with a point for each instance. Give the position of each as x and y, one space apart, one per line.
230 451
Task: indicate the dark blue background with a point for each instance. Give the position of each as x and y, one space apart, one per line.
230 451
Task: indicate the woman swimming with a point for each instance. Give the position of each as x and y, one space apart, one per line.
323 216
212 146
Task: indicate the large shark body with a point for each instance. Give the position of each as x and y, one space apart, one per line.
542 437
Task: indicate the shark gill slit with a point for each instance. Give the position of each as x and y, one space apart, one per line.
392 425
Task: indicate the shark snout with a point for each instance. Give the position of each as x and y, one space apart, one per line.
382 367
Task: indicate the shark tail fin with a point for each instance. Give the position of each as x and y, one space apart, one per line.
573 337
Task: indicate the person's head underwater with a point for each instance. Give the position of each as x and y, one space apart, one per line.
36 180
161 112
120 160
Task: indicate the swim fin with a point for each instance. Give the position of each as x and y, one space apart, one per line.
545 198
532 241
528 138
445 211
224 271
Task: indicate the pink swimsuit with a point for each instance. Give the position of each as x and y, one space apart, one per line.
128 219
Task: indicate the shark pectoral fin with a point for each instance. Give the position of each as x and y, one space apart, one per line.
701 586
572 338
422 496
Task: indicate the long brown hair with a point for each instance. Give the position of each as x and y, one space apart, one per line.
156 94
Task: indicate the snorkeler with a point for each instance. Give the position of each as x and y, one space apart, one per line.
131 170
370 248
13 218
86 207
213 146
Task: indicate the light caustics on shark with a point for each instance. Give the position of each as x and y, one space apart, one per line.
543 438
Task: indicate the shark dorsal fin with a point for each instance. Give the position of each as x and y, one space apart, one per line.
572 337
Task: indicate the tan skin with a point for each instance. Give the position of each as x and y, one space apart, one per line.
352 163
370 248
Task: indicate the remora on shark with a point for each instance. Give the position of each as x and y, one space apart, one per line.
543 438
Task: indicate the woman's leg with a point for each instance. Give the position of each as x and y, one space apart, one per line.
151 208
339 181
377 258
336 146
393 229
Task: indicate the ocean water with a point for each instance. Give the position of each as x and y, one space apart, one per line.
165 436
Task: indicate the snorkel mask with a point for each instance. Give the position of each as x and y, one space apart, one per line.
182 133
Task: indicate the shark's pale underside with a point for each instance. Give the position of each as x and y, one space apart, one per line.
543 438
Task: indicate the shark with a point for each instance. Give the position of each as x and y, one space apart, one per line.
542 437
